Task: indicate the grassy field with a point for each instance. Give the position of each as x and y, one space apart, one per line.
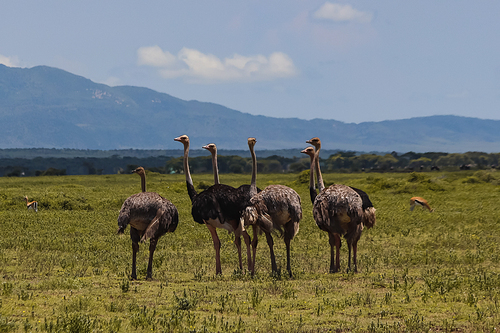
64 269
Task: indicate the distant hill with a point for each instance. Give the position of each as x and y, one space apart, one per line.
51 108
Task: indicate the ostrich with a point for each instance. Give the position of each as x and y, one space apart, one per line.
31 205
277 207
339 210
150 216
243 192
421 202
219 206
140 171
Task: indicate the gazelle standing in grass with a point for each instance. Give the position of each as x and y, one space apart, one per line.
31 205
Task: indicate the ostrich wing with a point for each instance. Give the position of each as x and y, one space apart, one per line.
364 197
153 226
278 198
277 205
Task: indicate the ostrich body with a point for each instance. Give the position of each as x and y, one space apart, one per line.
339 210
150 216
420 202
31 204
219 206
275 208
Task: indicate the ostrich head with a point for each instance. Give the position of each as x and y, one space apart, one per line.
308 151
316 142
122 224
249 216
140 171
251 142
211 147
184 139
369 217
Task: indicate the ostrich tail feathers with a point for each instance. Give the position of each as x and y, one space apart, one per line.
266 223
295 229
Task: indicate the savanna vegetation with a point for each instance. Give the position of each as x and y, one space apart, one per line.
64 269
12 165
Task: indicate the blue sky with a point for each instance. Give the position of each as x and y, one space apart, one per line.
352 61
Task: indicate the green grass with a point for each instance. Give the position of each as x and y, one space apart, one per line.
64 269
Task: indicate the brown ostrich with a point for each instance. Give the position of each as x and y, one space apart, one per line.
420 202
150 216
339 210
219 206
275 208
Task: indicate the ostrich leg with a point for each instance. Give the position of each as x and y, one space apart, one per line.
237 242
215 238
270 242
152 248
246 238
288 265
135 249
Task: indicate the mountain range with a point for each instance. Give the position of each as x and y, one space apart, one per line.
50 108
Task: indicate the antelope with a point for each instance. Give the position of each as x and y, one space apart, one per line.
421 202
31 205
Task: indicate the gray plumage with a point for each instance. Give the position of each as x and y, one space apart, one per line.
278 205
337 208
149 214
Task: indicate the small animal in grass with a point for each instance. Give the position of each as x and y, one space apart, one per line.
31 204
420 202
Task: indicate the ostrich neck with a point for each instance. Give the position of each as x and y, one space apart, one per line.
312 187
215 167
321 185
253 184
189 180
143 182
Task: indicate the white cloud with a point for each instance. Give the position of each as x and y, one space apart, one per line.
342 13
196 66
9 61
154 56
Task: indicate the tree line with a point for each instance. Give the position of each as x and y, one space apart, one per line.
344 161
